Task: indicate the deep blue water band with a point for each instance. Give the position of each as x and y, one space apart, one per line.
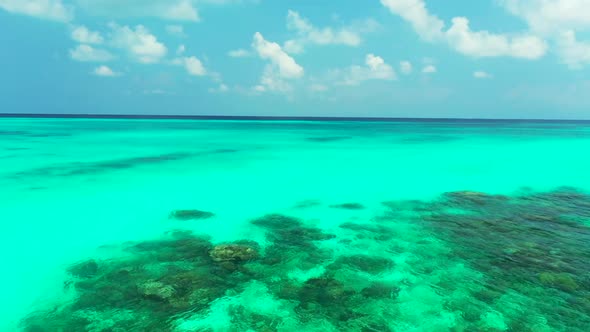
275 118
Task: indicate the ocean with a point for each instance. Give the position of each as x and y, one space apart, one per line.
294 225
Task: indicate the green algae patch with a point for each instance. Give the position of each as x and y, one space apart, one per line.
562 281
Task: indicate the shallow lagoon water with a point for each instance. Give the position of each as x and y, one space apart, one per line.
359 226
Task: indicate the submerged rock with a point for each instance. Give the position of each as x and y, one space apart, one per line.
233 252
191 214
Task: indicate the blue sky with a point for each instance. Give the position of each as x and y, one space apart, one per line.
392 58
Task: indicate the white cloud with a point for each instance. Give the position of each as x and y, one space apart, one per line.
379 68
220 89
318 87
559 20
228 2
139 43
481 74
428 26
273 80
486 44
461 38
105 71
175 10
428 60
175 30
82 35
286 65
180 50
156 92
194 66
573 53
87 53
548 17
53 10
430 69
406 67
239 53
309 34
216 77
182 11
293 46
375 69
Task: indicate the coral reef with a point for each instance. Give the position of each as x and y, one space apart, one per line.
233 252
466 261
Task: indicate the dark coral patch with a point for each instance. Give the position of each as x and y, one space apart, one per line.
363 263
348 206
328 139
309 203
276 221
381 290
191 214
86 269
233 252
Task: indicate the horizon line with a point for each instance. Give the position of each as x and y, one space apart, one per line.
268 117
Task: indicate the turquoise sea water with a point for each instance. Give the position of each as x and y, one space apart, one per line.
185 225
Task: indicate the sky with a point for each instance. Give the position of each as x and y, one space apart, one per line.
369 58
